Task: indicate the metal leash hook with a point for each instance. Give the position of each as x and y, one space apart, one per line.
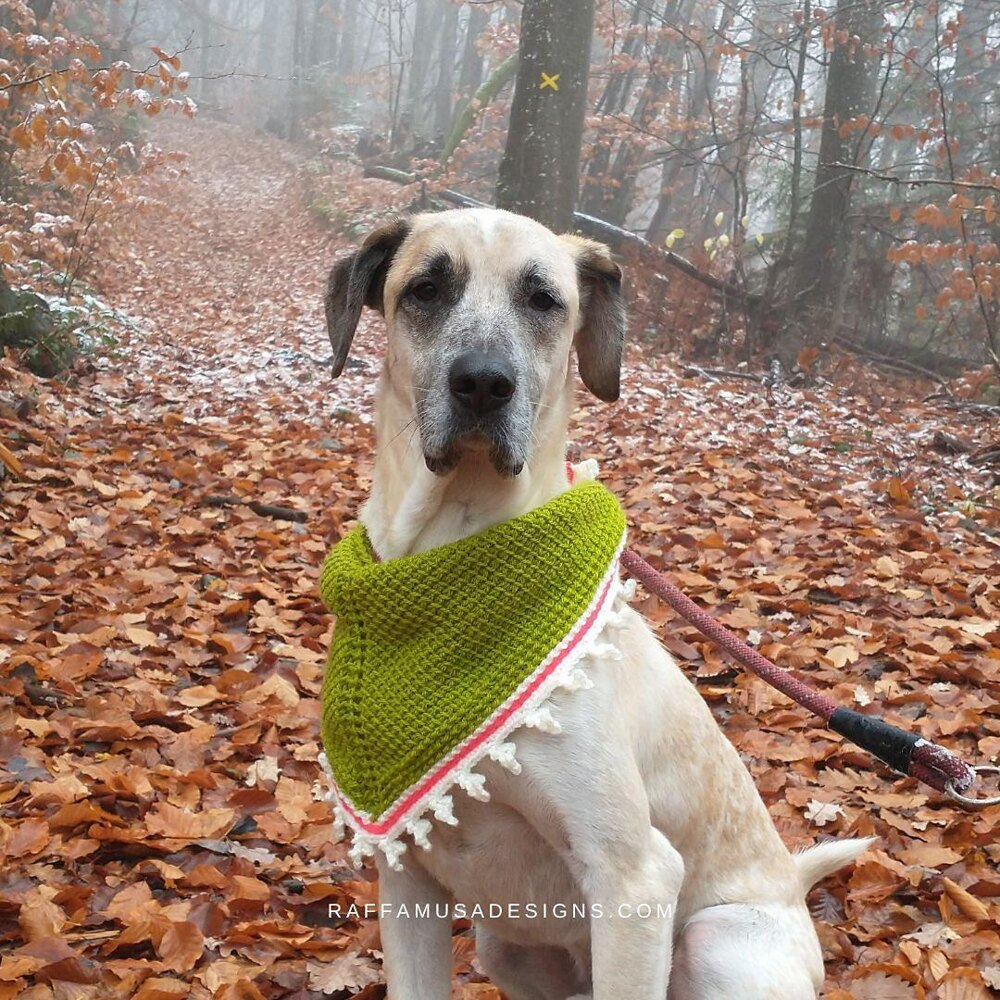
966 801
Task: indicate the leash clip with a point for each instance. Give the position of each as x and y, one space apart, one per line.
967 801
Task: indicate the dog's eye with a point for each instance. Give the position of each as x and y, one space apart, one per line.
426 291
542 301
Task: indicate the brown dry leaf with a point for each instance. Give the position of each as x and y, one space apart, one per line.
480 991
872 881
170 822
887 567
132 903
937 962
974 909
882 986
929 855
242 989
963 984
142 637
161 988
181 946
840 656
227 972
58 961
11 460
29 837
14 967
39 917
350 971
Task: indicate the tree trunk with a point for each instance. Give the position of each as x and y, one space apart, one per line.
596 195
428 15
625 169
481 99
323 41
680 172
205 37
296 83
446 72
540 169
41 8
969 94
471 75
347 53
848 91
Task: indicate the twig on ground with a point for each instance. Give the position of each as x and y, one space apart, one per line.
263 509
721 373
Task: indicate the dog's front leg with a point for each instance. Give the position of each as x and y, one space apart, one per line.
632 918
416 933
587 796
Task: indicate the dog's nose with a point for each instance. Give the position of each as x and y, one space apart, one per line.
482 383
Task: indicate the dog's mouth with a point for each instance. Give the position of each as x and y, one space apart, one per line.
491 444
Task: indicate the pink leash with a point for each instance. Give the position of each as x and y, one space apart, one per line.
902 751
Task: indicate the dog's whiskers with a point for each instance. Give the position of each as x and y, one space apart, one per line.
411 422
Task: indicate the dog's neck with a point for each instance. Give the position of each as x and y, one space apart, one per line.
411 509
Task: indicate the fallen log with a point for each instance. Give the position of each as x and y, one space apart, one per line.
895 363
616 237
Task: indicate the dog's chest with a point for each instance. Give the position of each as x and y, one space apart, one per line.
505 872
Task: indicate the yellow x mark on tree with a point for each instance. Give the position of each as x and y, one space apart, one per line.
550 81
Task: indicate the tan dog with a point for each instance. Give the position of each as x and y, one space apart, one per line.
640 815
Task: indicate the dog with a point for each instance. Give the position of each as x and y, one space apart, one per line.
640 819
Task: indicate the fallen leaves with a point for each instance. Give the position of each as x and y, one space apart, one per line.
971 907
11 460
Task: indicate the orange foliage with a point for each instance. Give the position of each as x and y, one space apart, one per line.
975 273
63 102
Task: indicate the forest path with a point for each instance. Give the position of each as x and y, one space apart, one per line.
158 737
227 267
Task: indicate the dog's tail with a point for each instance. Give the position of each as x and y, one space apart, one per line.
815 863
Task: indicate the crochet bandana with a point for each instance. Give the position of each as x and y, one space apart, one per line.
438 657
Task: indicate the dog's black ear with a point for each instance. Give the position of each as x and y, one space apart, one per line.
358 280
600 339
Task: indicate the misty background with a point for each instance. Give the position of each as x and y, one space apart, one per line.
777 173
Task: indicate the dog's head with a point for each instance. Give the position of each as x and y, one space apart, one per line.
483 309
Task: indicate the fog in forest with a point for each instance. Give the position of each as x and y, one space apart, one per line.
778 172
702 132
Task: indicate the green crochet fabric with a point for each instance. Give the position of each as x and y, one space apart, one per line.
428 647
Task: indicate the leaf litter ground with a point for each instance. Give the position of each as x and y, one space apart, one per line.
160 660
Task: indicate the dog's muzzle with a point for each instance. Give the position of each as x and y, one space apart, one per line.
481 389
